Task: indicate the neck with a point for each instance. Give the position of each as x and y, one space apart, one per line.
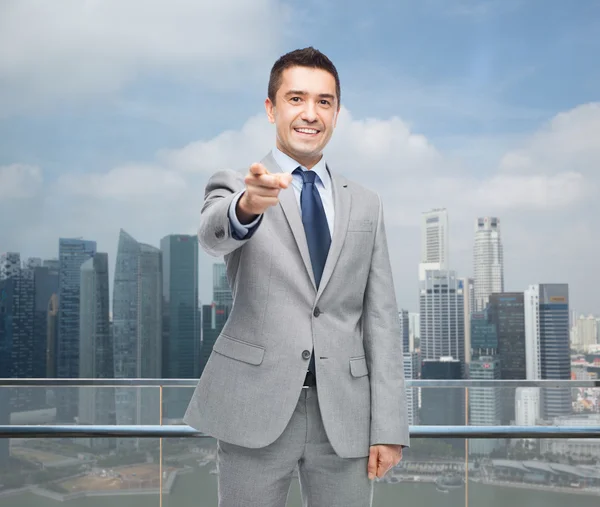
309 161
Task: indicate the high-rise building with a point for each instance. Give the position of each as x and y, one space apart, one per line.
96 404
45 281
547 344
488 260
585 333
4 414
442 405
214 318
527 406
18 341
411 392
414 332
222 295
434 241
72 254
32 263
181 320
52 336
442 323
484 402
137 329
10 263
51 264
404 331
469 307
508 314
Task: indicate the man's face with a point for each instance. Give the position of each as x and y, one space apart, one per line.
305 113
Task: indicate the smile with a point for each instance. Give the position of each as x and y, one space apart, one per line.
307 131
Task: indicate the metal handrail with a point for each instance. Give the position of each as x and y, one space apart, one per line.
158 382
178 431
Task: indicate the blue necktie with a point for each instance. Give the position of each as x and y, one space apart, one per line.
316 228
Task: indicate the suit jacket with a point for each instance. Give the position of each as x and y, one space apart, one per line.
254 376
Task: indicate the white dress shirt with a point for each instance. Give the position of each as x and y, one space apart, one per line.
288 165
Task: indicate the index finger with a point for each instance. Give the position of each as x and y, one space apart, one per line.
258 169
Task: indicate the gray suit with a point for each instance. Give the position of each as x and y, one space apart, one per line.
251 385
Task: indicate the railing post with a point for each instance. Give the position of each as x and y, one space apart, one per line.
466 448
160 449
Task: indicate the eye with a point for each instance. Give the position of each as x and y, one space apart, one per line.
325 102
295 99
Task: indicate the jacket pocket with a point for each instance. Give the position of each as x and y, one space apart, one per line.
238 349
358 366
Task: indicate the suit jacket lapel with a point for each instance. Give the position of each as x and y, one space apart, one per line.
287 200
342 201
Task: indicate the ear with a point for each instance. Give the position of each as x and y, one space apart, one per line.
270 108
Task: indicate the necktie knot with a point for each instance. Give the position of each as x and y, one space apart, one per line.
307 176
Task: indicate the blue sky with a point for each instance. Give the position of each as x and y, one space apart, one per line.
101 89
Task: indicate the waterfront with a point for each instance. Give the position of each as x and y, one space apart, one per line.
199 489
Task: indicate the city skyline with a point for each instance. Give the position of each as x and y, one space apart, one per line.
492 130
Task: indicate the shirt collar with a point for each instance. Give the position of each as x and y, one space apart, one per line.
288 165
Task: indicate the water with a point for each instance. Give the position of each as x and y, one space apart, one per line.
199 489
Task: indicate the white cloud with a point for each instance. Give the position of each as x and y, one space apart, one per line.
69 48
569 142
231 149
18 181
540 205
542 192
123 183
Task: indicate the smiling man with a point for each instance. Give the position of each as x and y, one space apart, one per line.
307 372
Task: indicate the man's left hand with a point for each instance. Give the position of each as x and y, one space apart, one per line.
383 458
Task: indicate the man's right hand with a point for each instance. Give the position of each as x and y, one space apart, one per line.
262 191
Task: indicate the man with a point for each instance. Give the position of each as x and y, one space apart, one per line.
308 369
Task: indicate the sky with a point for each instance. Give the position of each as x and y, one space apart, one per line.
114 115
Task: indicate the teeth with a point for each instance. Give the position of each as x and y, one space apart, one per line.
307 131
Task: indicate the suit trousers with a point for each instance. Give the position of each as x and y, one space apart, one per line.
262 477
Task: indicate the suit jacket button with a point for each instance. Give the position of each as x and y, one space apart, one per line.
306 354
317 312
220 232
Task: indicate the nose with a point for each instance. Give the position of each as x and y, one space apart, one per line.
309 113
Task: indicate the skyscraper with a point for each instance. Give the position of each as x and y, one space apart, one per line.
181 320
404 330
484 402
10 263
586 333
508 314
72 254
411 392
469 307
442 323
52 336
488 260
547 344
137 329
442 405
221 291
96 404
434 241
214 318
44 325
17 336
414 333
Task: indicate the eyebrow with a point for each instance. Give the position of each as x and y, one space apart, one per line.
303 93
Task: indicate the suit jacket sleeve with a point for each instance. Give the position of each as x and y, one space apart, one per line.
216 234
383 348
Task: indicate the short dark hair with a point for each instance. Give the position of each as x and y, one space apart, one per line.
307 57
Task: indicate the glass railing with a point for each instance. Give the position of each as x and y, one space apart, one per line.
85 443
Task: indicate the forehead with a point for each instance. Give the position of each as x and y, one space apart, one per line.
307 79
